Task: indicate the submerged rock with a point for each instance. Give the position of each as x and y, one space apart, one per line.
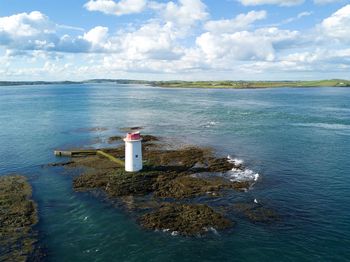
145 138
18 214
59 164
256 212
114 139
186 219
131 129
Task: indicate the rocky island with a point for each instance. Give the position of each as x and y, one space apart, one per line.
18 215
167 194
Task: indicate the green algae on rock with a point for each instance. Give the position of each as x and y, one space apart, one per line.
187 186
185 219
18 214
168 173
114 139
256 213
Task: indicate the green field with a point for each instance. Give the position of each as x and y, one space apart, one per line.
252 84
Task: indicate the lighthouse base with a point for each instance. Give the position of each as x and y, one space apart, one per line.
133 155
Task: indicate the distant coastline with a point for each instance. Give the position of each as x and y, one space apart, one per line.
197 84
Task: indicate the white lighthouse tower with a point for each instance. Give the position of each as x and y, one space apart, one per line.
133 152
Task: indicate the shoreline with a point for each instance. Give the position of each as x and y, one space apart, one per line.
196 84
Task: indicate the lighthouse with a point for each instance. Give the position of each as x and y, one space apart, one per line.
133 152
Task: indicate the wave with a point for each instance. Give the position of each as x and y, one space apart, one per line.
235 161
239 173
210 124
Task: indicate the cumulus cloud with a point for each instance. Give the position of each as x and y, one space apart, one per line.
337 25
240 22
150 41
244 45
35 31
178 39
237 46
185 13
272 2
111 7
27 30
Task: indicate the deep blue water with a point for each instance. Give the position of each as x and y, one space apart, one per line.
297 139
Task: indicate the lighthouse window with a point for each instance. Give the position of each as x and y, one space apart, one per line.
136 156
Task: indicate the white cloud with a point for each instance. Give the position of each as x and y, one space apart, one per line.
240 22
178 40
27 30
260 44
183 13
186 13
237 46
298 17
111 7
272 2
35 31
337 25
152 41
100 40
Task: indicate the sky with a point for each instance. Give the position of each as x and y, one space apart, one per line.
174 40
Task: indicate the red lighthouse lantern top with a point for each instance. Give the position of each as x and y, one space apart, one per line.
133 136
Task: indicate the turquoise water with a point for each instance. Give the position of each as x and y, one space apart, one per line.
298 140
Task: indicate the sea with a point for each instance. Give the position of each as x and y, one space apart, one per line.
296 139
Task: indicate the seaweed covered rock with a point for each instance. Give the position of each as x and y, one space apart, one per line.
166 173
185 219
188 186
181 173
256 212
18 213
114 139
117 183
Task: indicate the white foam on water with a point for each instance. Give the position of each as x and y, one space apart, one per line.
210 124
212 229
325 126
174 233
234 161
239 175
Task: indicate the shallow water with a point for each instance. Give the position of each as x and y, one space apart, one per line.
298 140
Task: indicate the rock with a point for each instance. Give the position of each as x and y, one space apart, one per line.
60 164
256 212
145 139
18 214
131 129
186 219
114 139
167 173
117 183
180 173
149 138
187 186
